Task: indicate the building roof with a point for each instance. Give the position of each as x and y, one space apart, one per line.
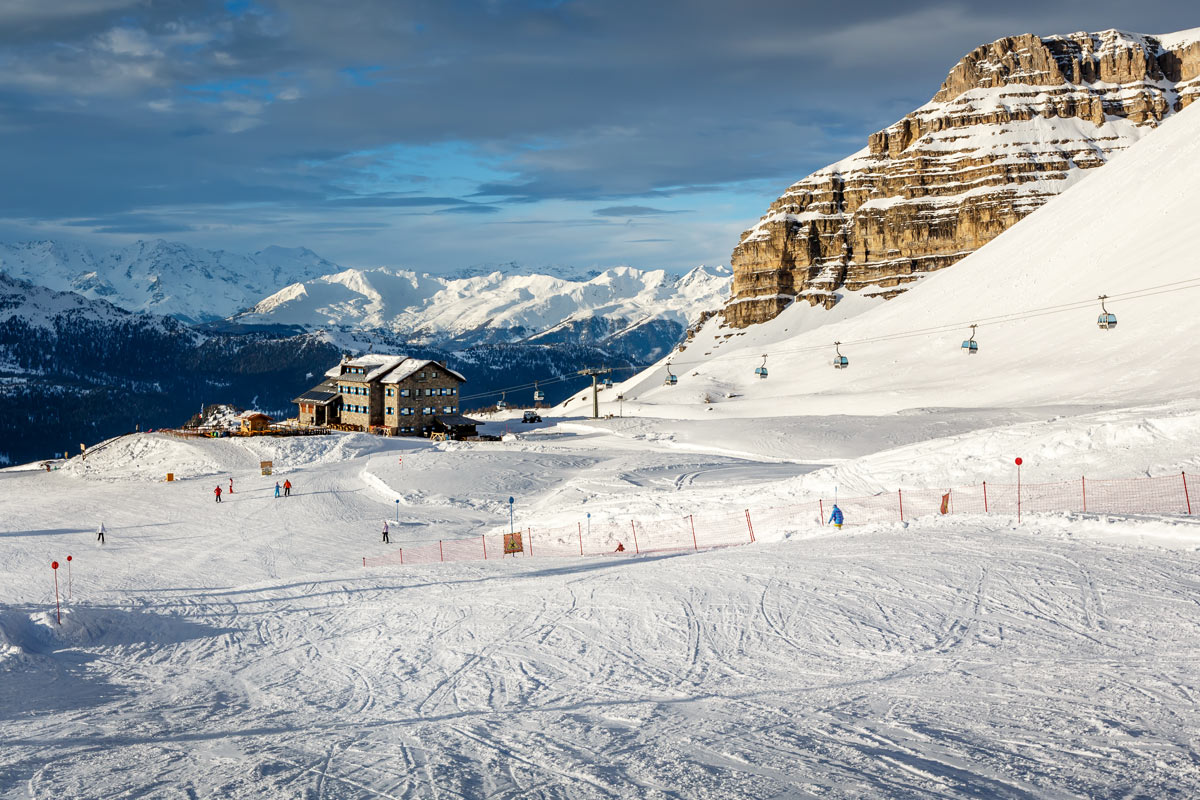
387 369
252 415
318 395
412 365
455 420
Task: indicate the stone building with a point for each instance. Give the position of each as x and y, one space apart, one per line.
387 394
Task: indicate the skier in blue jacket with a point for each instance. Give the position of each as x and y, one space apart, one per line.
836 517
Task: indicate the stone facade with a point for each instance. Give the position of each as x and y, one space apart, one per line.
1015 123
410 405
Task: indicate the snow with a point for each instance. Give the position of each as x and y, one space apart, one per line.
241 650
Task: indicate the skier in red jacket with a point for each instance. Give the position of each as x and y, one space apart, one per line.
217 492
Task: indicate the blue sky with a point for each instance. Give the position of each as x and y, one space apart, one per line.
449 133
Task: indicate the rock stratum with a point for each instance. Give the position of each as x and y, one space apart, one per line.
1015 123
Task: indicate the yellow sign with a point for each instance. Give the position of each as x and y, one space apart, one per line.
512 543
265 466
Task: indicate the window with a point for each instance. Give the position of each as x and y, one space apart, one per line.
433 375
427 410
390 411
449 409
404 392
391 392
404 412
453 390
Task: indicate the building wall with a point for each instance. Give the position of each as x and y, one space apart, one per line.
406 413
362 402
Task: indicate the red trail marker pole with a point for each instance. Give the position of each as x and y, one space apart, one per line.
1083 485
821 506
441 551
483 539
985 508
633 525
1185 493
580 526
57 606
70 594
1018 463
692 520
900 497
750 525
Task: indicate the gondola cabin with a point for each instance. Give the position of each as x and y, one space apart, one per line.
761 370
840 362
1106 320
970 346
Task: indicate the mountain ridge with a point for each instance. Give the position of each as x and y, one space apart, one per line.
1016 122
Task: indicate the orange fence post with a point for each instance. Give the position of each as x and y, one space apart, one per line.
364 561
1185 493
821 507
900 495
750 526
692 520
580 526
530 532
635 541
401 556
441 551
985 508
483 538
1083 483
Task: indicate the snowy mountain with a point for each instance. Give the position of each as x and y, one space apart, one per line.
1016 122
642 312
1128 232
160 277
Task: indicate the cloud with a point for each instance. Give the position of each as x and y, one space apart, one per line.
227 117
632 211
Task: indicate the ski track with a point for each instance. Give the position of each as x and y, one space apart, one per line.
950 658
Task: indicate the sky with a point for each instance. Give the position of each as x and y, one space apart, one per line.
445 134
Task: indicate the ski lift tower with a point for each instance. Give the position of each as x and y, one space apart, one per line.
593 372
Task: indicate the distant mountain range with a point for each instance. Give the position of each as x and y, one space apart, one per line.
640 313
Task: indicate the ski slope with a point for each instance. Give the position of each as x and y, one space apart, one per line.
240 650
1128 231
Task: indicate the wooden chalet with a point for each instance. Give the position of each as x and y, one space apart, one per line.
252 422
393 395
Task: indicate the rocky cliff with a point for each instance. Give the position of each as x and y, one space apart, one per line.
1016 122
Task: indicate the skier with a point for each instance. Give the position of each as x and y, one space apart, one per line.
620 548
386 540
836 517
217 492
277 488
231 485
100 533
287 488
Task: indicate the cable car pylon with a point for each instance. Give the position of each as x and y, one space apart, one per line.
593 372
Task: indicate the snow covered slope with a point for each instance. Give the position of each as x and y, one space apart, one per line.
1129 232
429 307
162 277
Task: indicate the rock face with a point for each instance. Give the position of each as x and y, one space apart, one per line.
1016 122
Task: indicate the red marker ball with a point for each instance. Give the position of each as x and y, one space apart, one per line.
1018 462
68 558
53 565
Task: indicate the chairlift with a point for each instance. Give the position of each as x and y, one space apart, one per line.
840 361
538 394
1106 320
606 383
761 371
671 379
970 346
500 404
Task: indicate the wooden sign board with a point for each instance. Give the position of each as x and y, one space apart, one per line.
265 466
512 543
